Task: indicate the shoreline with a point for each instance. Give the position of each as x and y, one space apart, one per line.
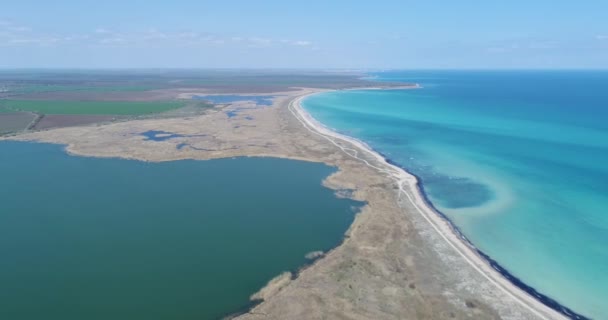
410 185
282 133
514 280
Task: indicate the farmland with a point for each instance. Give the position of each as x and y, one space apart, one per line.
92 107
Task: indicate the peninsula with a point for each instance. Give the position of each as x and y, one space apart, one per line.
399 258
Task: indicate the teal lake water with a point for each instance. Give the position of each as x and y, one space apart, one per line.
518 160
88 238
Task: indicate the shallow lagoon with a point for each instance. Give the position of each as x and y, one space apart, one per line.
89 238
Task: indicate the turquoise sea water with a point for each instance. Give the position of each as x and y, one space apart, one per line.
88 238
518 160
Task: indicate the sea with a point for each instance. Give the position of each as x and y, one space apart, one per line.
93 238
516 160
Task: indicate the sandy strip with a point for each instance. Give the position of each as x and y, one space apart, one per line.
408 187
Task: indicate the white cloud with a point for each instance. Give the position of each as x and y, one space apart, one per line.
102 31
41 41
7 27
153 34
523 45
188 35
19 28
113 40
298 43
258 42
14 35
301 43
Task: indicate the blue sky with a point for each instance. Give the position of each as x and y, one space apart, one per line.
304 34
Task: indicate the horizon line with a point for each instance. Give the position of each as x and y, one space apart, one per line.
300 69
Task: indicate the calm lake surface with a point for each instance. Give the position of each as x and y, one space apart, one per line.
518 160
89 238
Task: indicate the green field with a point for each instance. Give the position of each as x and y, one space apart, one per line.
29 89
91 107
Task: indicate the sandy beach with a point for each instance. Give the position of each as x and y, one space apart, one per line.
399 259
409 191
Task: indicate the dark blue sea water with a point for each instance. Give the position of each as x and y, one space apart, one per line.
518 160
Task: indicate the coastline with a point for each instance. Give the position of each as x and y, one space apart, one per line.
393 273
410 186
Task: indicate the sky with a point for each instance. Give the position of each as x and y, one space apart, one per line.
402 34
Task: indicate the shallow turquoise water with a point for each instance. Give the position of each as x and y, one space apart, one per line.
517 160
88 238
